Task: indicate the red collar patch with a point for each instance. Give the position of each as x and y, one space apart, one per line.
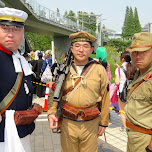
6 51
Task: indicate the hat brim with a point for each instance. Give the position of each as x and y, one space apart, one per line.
140 49
12 23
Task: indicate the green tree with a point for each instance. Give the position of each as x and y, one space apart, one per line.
39 42
136 22
71 15
125 28
130 25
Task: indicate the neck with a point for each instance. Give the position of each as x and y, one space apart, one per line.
5 50
79 63
143 70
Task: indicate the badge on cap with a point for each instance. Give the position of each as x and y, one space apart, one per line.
137 43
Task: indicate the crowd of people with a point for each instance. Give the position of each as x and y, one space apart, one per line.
84 93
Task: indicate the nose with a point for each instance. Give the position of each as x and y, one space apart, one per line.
81 48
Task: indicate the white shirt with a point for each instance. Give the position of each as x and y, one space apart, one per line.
79 69
122 76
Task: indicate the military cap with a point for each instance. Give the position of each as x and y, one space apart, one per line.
141 42
11 16
82 36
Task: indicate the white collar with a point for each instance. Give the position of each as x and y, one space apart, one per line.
21 63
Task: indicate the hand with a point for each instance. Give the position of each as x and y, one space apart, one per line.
101 130
116 65
150 145
52 119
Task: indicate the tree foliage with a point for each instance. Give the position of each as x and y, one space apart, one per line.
131 23
118 44
39 42
136 21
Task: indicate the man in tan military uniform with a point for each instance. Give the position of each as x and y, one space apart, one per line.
78 134
139 103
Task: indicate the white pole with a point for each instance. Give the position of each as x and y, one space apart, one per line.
53 53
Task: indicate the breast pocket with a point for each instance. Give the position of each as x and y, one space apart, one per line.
138 97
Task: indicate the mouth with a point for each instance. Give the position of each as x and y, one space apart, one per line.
10 41
80 55
139 62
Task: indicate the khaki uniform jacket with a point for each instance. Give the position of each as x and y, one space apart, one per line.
93 89
139 104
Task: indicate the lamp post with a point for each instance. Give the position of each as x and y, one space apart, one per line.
2 4
101 34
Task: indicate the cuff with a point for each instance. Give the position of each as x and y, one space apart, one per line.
102 125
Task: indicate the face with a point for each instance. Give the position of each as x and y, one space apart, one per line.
142 60
81 52
11 37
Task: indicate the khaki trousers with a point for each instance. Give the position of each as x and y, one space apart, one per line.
137 142
79 136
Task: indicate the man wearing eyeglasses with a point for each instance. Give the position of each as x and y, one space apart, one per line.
85 108
14 138
139 101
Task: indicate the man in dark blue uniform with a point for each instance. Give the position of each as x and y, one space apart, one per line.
12 63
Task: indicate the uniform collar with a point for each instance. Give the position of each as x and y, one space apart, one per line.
6 51
90 60
144 76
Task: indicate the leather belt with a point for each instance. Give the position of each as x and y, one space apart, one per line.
138 128
81 107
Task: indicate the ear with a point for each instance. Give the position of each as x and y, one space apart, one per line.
71 47
92 48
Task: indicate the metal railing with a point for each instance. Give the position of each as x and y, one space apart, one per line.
55 17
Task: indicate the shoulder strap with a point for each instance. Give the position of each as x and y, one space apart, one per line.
9 98
139 84
123 69
84 73
78 84
119 71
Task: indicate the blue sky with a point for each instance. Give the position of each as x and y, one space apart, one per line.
112 10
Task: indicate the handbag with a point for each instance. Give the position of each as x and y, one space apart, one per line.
25 117
47 75
113 91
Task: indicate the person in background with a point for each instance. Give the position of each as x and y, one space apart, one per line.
138 110
17 138
48 60
40 89
80 133
101 56
127 71
33 76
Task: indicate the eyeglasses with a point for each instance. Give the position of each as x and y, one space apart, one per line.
85 47
15 29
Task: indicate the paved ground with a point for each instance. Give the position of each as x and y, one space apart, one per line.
42 140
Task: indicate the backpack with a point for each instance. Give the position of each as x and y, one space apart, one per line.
123 94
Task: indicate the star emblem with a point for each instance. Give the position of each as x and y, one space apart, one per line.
137 43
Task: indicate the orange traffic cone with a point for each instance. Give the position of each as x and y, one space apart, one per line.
46 98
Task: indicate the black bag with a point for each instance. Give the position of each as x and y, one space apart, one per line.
123 94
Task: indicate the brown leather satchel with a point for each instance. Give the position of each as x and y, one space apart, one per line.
27 116
89 114
70 112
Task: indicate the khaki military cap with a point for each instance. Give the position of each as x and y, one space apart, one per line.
141 42
82 36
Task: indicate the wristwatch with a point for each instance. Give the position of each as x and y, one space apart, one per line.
148 150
